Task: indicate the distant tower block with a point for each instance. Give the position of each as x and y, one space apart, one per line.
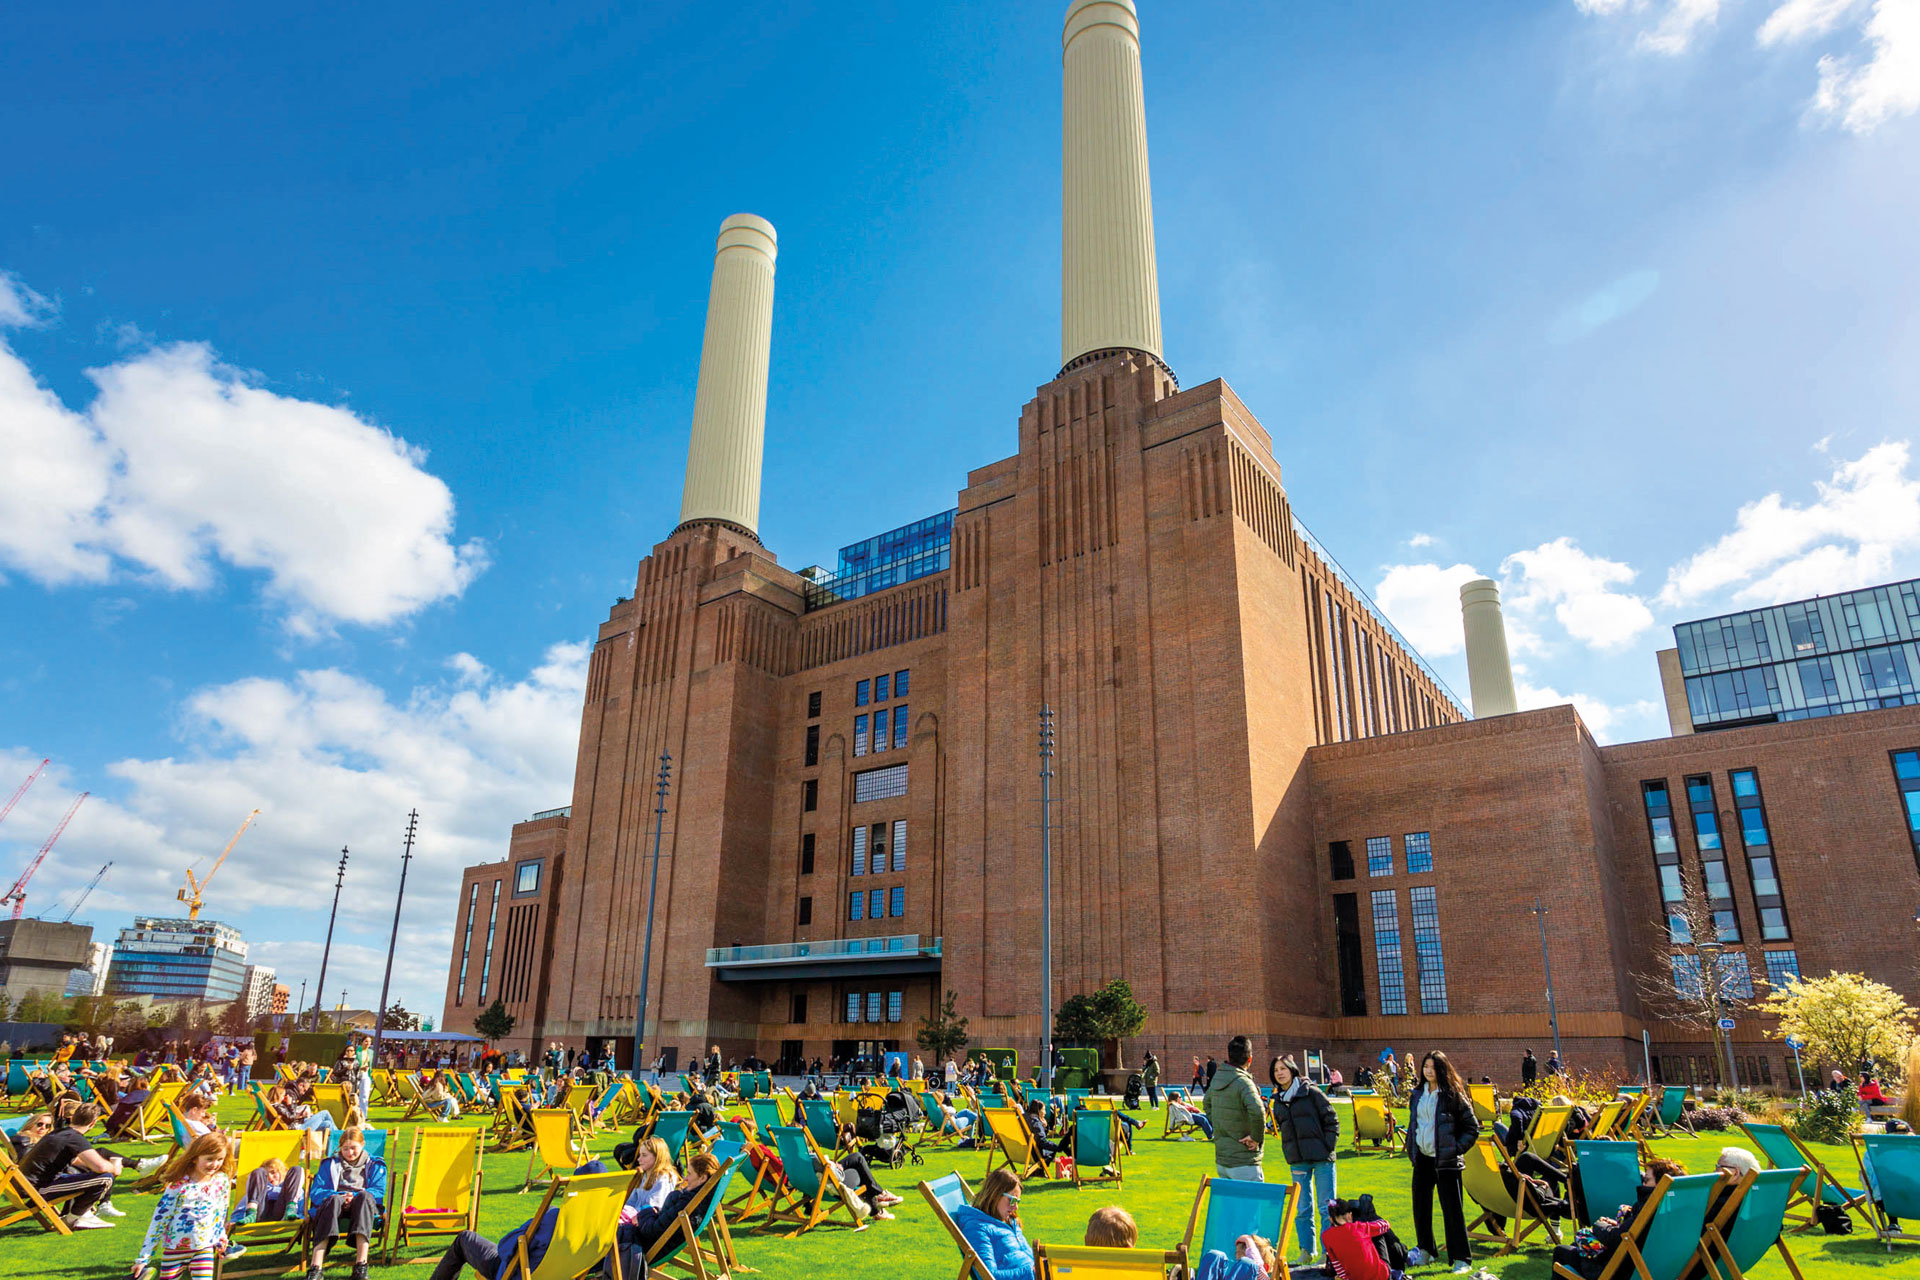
730 402
1109 289
1489 670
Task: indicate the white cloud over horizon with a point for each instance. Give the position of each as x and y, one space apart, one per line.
181 463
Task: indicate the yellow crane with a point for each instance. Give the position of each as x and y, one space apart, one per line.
191 894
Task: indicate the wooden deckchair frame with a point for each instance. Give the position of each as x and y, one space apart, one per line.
1821 1178
288 1145
1527 1215
1714 1239
1627 1256
437 1224
25 1198
791 1204
518 1267
1113 1150
1027 1164
545 1120
714 1260
972 1267
1876 1216
1382 1106
1289 1210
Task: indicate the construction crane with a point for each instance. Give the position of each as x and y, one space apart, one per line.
191 894
23 790
81 900
18 894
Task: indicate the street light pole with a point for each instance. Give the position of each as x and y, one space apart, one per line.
653 887
406 856
1710 978
320 987
1046 898
1546 961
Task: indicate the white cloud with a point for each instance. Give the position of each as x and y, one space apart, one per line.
1862 518
1423 600
1420 540
329 760
1579 590
1860 97
1679 24
21 307
180 462
1801 19
1601 718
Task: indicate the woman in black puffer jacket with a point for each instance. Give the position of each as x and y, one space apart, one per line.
1441 1130
1309 1138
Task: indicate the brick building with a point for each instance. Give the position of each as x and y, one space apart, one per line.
1271 818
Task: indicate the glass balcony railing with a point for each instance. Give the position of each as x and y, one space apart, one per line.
895 946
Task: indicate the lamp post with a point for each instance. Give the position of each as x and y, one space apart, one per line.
320 987
653 887
406 856
1710 979
1546 961
1046 898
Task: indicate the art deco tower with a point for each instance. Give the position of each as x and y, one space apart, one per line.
730 402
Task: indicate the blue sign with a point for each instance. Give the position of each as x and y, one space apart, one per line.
1726 1024
1795 1043
1386 1053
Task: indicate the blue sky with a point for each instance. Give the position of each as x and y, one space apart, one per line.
348 357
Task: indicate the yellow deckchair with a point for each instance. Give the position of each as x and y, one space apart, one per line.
1607 1124
698 1241
442 1187
1484 1176
250 1151
1013 1143
583 1234
332 1099
1549 1126
1636 1107
579 1100
511 1128
151 1118
382 1091
19 1199
1486 1102
1373 1121
1084 1262
553 1145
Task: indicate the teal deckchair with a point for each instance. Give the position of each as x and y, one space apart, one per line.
1665 1235
1784 1151
1890 1166
817 1115
376 1144
1234 1209
946 1195
682 1246
1671 1112
1609 1176
671 1128
1751 1222
809 1196
766 1115
1072 1098
1095 1148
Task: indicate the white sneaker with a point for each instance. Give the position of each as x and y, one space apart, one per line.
1418 1257
151 1162
110 1209
1461 1268
87 1221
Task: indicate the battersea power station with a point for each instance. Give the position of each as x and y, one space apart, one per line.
1269 817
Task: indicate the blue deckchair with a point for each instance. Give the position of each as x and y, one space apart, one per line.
946 1195
671 1128
1784 1151
817 1115
1890 1166
1235 1209
1752 1222
681 1245
766 1115
1609 1176
1664 1237
1094 1147
809 1196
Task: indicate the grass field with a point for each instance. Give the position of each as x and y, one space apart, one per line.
1160 1179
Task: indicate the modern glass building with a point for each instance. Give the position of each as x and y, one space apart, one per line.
887 560
1856 651
179 960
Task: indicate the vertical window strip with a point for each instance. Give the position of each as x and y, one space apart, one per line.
879 730
1782 967
1419 852
1763 867
1379 855
873 1006
853 1006
1429 962
1906 773
900 726
466 946
879 844
859 735
855 901
899 844
1386 953
860 850
897 900
1666 856
486 961
1707 838
896 1001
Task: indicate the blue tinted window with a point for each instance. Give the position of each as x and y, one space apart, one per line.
897 900
880 729
1430 964
860 692
900 725
873 1006
853 1006
900 684
855 901
1386 951
1419 852
880 688
894 1002
876 904
1782 967
859 735
1379 856
860 850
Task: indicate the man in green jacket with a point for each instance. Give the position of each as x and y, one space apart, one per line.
1239 1120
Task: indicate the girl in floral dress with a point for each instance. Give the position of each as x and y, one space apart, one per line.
189 1227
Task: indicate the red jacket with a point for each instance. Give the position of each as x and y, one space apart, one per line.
1349 1247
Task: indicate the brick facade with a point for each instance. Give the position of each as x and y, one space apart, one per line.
1226 709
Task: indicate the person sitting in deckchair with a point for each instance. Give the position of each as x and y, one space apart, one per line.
271 1190
1112 1228
1184 1114
649 1225
658 1178
1043 1145
991 1226
471 1249
1734 1164
1254 1259
438 1099
349 1192
64 1167
1590 1250
23 1138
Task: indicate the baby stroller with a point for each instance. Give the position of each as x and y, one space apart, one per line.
882 1128
1136 1085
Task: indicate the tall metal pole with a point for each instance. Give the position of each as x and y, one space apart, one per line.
320 987
406 856
1046 898
299 1008
1553 1013
653 888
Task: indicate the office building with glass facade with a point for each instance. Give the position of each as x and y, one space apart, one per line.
1854 651
170 959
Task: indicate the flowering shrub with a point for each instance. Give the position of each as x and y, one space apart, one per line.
1829 1116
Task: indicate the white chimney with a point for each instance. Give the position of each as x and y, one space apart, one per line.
1489 671
730 401
1109 290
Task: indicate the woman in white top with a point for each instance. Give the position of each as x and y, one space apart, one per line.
658 1178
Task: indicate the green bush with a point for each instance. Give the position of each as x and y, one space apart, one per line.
1831 1116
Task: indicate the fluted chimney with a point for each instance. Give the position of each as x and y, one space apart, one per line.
1489 671
1109 290
730 401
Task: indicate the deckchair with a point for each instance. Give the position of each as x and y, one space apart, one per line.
698 1242
1373 1121
1073 1098
1890 1167
553 1146
607 1106
378 1142
1750 1222
19 1076
1549 1127
1171 1127
766 1116
1609 1176
151 1116
817 1115
1096 1147
1664 1237
511 1128
1099 1102
584 1233
1235 1209
264 1117
579 1100
332 1099
19 1199
250 1151
672 1128
1013 1143
1784 1151
1607 1123
409 1089
1085 1262
443 1186
809 1196
382 1082
946 1195
1486 1102
1669 1114
1507 1217
1638 1100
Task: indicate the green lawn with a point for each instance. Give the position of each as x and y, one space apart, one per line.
1160 1180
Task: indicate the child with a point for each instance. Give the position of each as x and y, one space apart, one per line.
190 1223
1349 1245
1112 1228
272 1192
1254 1259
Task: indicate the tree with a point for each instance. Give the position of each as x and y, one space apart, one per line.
6 1007
496 1023
945 1033
1842 1018
1689 987
398 1019
1105 1018
234 1020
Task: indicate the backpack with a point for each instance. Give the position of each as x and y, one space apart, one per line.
1834 1220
